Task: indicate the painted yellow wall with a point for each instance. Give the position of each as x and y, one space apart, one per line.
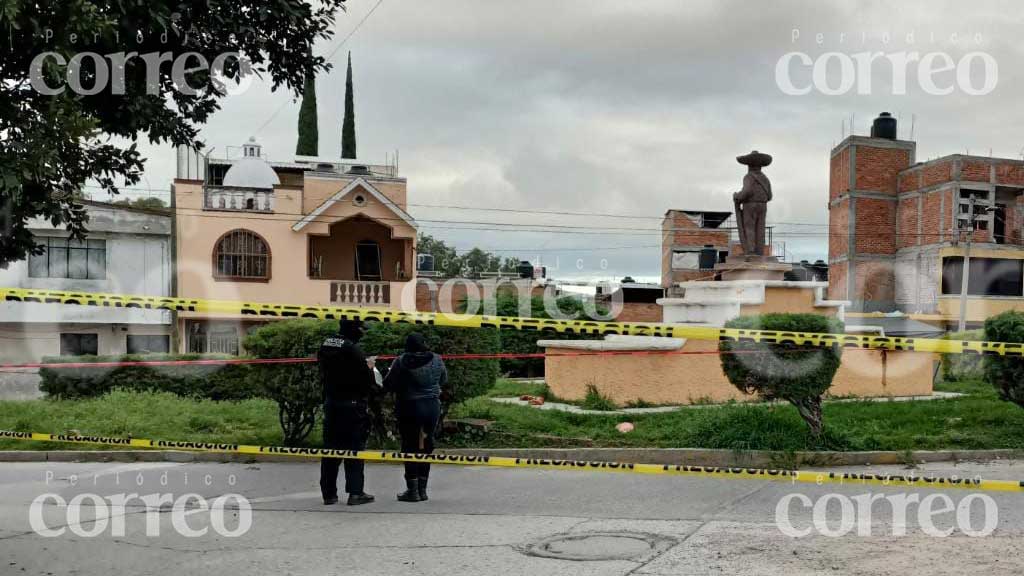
198 230
978 308
689 379
694 379
780 300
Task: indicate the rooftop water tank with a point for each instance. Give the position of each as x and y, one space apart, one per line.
884 127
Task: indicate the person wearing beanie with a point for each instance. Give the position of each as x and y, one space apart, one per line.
418 379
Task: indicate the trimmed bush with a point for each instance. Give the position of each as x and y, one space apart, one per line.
468 378
963 366
1006 373
224 382
525 341
295 387
799 375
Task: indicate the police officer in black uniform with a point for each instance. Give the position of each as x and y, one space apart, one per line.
348 381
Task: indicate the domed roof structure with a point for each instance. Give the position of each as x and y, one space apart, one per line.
251 171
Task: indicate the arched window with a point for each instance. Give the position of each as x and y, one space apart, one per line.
241 255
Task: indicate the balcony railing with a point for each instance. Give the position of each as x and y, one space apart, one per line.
238 199
360 293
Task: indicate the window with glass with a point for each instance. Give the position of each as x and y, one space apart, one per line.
79 344
241 255
148 343
987 276
67 258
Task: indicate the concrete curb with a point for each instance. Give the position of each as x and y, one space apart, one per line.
671 456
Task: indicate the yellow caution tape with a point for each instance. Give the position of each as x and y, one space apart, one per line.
510 322
792 476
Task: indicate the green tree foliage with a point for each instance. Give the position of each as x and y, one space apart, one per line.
295 387
1006 373
525 341
450 264
348 123
468 378
799 375
308 143
51 145
149 203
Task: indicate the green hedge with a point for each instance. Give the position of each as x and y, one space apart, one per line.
1006 373
297 389
799 375
224 382
963 366
468 378
525 341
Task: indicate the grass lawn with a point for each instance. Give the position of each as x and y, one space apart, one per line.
977 420
161 416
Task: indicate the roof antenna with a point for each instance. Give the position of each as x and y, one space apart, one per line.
913 117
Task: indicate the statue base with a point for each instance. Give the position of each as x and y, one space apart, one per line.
752 268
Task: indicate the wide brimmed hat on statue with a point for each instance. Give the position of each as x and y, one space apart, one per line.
755 159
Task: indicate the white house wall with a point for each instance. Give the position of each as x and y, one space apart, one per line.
138 256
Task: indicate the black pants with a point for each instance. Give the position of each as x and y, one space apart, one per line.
346 427
417 423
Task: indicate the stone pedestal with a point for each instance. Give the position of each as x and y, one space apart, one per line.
752 268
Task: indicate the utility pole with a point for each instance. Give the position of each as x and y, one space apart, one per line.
966 269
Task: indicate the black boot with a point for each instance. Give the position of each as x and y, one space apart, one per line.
412 492
423 488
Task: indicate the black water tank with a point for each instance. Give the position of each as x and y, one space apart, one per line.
525 269
821 270
884 127
708 257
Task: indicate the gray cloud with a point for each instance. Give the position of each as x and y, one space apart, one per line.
624 107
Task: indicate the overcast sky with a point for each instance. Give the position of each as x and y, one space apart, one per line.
627 108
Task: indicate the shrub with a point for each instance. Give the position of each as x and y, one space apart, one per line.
1006 373
963 366
468 378
295 387
525 341
799 375
215 382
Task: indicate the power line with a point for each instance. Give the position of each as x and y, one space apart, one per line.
329 56
514 210
541 227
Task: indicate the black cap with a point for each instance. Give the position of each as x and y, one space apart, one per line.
352 329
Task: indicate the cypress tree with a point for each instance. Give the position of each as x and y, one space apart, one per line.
309 137
348 125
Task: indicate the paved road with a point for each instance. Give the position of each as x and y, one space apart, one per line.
485 521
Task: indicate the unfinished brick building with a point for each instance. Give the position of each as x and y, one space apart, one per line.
684 234
893 228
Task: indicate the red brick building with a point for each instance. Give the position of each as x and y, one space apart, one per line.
893 222
684 234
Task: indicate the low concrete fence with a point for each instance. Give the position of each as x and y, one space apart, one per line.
698 378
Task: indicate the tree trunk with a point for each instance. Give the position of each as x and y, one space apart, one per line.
810 411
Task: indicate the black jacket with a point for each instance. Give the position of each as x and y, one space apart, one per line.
417 375
343 371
